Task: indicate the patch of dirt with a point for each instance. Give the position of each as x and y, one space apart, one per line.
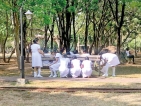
11 68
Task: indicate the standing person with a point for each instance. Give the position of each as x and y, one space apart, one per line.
86 68
36 53
75 70
54 67
112 60
63 69
129 55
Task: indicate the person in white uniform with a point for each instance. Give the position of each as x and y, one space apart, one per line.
54 67
75 70
36 53
112 60
63 69
86 68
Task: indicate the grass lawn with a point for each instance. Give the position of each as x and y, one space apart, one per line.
26 98
34 98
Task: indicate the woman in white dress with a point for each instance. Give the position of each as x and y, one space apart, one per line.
54 67
112 60
75 70
86 68
63 69
36 57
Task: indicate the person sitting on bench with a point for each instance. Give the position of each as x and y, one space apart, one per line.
54 67
75 70
63 68
86 68
129 55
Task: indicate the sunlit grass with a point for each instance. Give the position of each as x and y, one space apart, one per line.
125 71
29 98
122 71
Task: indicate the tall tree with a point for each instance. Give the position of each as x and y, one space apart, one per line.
118 11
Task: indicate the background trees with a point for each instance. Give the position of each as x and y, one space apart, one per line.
92 23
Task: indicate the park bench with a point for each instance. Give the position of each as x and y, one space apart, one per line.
94 58
123 57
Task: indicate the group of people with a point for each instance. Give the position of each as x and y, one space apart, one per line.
71 67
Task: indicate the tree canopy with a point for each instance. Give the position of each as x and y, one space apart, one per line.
92 23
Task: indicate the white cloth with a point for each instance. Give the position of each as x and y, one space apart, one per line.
36 56
112 61
59 56
55 67
76 70
87 69
127 53
63 69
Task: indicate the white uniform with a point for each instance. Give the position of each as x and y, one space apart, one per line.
63 69
36 56
112 61
87 69
55 67
76 70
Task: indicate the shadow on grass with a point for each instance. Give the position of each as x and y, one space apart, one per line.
33 98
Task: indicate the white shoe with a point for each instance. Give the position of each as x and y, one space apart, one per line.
39 76
51 76
105 75
65 76
35 74
54 76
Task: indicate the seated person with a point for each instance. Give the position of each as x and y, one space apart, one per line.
86 68
63 68
112 61
75 52
129 55
75 70
54 67
85 53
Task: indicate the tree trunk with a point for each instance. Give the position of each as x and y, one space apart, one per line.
68 28
16 35
7 33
